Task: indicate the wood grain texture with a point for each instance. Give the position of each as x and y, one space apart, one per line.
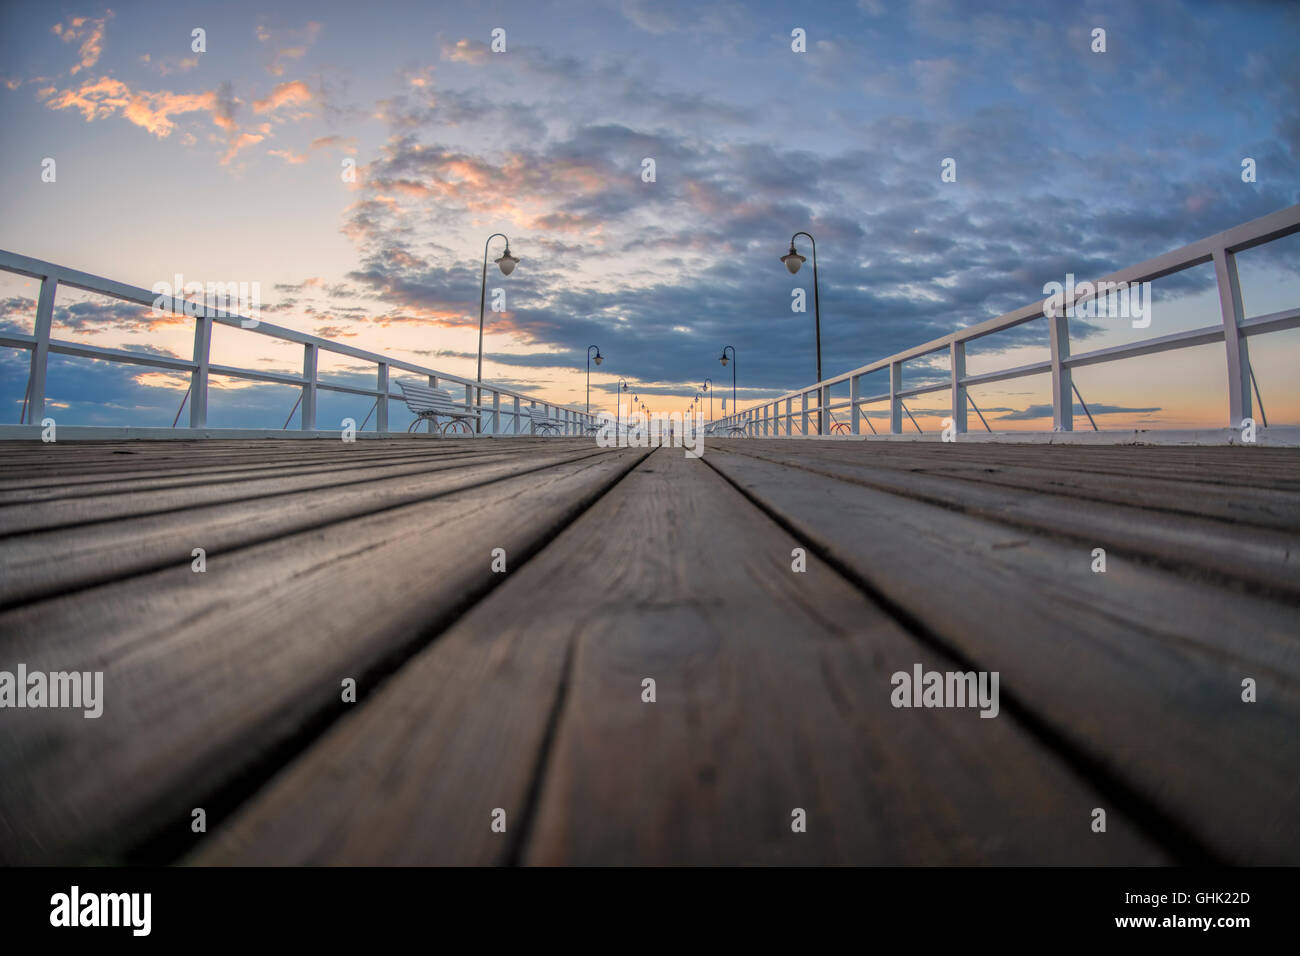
773 694
206 676
1138 669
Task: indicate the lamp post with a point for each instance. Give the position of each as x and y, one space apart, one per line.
723 360
599 358
507 262
618 407
793 261
708 383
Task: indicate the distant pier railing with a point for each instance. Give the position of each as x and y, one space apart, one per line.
804 412
500 407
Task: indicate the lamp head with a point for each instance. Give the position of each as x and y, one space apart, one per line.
507 262
793 260
723 360
599 358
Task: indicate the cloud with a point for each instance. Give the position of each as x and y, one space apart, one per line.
152 111
290 157
90 33
298 43
346 144
465 51
1034 412
289 93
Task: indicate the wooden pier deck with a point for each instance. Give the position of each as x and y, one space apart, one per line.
521 691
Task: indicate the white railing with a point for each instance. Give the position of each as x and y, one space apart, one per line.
499 406
809 407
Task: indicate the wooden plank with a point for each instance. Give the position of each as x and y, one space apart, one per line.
44 564
139 497
1136 670
1262 558
1184 494
73 467
210 679
773 693
1236 466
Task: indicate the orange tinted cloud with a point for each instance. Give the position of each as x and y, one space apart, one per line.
286 94
90 33
104 97
241 141
465 51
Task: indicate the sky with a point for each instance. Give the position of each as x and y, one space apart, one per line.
231 164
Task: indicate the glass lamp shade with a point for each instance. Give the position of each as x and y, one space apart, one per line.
793 260
599 358
723 360
507 262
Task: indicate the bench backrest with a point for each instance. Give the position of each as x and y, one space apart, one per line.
539 415
423 398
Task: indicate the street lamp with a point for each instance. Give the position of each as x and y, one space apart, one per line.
507 263
793 261
618 406
723 360
708 382
599 358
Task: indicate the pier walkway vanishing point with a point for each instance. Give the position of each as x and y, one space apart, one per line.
519 696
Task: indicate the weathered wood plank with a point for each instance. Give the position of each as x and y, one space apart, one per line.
1263 558
1185 494
143 496
1137 671
40 565
211 679
773 693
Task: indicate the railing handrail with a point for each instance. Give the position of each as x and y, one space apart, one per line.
41 343
1220 248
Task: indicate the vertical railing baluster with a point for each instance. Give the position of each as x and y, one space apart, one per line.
1062 393
855 393
199 376
41 350
895 402
311 354
1239 397
957 365
381 386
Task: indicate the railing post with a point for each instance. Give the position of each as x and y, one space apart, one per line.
309 357
381 410
41 350
895 403
433 381
496 412
517 424
957 362
471 407
199 377
823 416
803 415
855 412
1225 272
789 417
1062 393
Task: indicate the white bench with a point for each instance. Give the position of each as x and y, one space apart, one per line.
430 404
541 423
